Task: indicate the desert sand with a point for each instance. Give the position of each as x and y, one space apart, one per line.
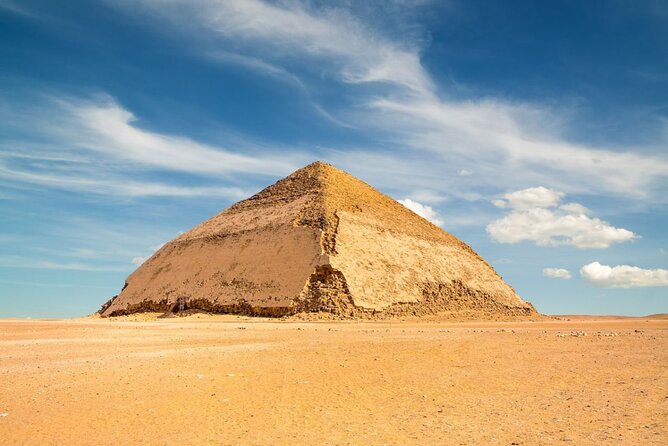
237 380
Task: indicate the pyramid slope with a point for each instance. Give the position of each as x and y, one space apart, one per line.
318 240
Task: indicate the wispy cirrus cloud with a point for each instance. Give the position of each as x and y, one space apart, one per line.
32 263
81 244
118 186
259 66
104 126
94 145
264 68
508 144
434 142
398 104
285 29
16 8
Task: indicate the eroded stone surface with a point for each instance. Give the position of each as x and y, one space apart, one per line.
319 240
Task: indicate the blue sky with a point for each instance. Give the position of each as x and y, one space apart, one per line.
536 132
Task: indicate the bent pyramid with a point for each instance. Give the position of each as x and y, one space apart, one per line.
319 240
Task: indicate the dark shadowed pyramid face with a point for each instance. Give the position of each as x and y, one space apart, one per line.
318 240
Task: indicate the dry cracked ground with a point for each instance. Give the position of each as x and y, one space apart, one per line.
233 380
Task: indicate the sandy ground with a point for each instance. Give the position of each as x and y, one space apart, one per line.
231 380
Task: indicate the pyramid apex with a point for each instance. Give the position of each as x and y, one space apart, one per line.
318 166
319 171
319 163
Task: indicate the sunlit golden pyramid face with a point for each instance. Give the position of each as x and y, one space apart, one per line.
319 240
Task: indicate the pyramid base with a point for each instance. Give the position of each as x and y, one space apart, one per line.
326 297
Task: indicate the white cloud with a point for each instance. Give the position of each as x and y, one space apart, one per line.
557 273
138 260
534 215
623 276
533 197
574 208
424 211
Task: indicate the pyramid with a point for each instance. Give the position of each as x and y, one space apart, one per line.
318 241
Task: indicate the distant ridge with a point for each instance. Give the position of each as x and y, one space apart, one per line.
318 241
608 316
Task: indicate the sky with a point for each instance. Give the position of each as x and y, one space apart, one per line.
537 132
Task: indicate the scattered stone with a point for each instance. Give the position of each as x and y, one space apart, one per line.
575 334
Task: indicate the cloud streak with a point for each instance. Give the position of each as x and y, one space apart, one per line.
557 273
118 186
104 126
30 263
